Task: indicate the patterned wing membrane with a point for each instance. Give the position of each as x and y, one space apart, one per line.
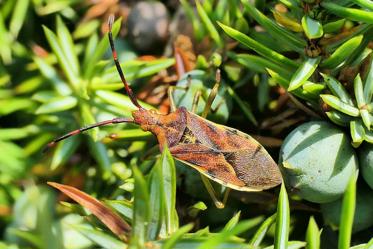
226 155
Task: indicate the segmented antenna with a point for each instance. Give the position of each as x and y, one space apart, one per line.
119 69
80 130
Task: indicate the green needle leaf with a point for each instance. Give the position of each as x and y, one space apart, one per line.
291 245
51 74
170 242
260 64
90 48
141 213
67 44
227 234
19 132
134 70
303 73
262 230
278 32
208 24
357 132
18 16
120 100
339 105
100 154
366 117
169 189
312 235
232 222
368 87
369 136
157 203
54 43
88 118
64 151
289 22
16 104
282 221
92 60
337 88
347 214
339 118
164 219
285 84
245 107
99 237
123 207
368 4
334 26
86 29
349 13
342 52
312 28
197 26
259 48
57 104
358 89
314 88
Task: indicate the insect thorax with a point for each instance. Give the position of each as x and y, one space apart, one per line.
167 128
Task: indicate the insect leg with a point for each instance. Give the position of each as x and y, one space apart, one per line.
195 101
210 189
226 194
80 130
170 91
212 95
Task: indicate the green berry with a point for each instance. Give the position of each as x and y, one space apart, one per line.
363 217
366 163
317 160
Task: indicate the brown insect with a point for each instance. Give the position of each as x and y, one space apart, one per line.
223 154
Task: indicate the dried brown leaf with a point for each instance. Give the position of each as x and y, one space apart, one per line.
112 220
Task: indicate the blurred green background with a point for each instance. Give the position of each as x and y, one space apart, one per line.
283 63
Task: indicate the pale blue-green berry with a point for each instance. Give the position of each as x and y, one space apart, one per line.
366 163
363 211
317 161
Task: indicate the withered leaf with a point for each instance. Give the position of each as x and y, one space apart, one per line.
112 220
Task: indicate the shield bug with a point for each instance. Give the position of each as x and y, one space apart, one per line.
223 154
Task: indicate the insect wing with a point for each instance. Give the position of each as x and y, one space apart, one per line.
226 155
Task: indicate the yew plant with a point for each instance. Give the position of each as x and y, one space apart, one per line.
297 75
319 54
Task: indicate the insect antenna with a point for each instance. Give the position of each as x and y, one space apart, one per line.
80 130
119 69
